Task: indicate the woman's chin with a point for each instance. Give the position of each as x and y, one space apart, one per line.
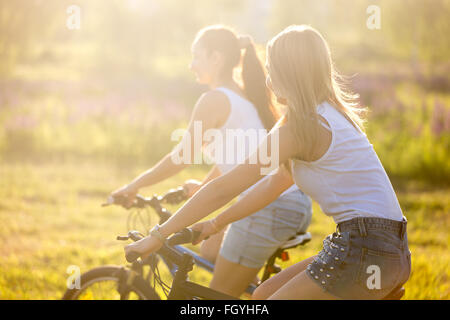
202 81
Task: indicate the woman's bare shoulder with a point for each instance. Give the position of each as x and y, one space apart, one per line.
214 106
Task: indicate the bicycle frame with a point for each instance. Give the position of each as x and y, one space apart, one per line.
187 290
182 288
198 261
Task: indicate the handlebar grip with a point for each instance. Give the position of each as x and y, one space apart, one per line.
132 256
187 235
181 237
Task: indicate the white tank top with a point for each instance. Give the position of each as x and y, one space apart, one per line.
349 180
243 115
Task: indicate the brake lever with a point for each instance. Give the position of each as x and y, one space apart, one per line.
109 201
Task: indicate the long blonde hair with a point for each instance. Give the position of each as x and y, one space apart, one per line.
301 71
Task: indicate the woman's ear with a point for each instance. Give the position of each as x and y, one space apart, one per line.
282 101
216 58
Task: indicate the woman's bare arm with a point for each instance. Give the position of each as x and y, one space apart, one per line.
212 174
211 101
264 193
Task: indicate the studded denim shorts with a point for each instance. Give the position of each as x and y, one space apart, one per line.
252 240
366 258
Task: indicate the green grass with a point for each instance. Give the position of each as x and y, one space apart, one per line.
51 218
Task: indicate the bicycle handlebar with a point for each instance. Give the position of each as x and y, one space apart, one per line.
173 196
187 235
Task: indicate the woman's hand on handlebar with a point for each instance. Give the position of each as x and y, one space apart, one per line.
144 247
128 193
191 186
207 229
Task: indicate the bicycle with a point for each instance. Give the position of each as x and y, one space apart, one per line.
178 259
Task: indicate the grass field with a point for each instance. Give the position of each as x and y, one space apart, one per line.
84 110
51 218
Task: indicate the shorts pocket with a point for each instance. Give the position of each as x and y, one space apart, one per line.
329 266
336 248
285 223
378 272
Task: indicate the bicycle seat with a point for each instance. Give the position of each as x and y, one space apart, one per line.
299 239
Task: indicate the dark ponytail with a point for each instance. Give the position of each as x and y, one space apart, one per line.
225 40
254 81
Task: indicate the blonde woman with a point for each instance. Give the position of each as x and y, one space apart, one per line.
241 251
331 159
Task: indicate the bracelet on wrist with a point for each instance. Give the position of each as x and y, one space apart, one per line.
156 233
215 225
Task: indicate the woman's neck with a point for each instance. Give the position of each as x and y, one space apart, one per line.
226 81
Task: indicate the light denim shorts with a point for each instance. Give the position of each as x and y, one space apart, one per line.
252 240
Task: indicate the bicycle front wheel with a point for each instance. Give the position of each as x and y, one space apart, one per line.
111 283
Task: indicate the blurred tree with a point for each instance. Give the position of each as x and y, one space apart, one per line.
420 29
410 29
124 37
24 24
